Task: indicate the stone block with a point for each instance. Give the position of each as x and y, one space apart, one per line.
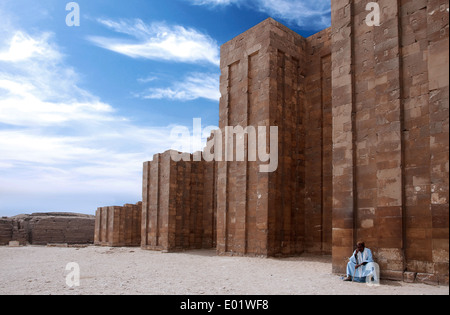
118 226
178 204
427 278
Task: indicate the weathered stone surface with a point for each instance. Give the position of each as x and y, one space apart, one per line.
391 134
317 122
48 228
14 244
118 226
6 231
409 277
266 74
178 209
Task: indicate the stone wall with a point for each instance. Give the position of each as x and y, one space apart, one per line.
390 136
272 76
6 231
317 121
48 228
260 87
118 226
178 204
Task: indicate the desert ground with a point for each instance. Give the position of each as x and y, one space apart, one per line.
34 270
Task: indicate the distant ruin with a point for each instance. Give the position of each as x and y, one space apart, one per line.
48 228
363 121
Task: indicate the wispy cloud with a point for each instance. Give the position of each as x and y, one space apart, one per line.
38 89
159 41
57 138
147 79
194 86
306 14
23 47
215 2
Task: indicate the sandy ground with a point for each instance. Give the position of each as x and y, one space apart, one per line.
42 271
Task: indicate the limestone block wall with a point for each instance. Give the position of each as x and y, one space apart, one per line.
178 204
6 231
390 136
272 76
51 229
118 226
287 64
22 229
48 228
259 213
209 233
317 120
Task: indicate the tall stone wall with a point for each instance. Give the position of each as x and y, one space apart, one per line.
287 64
317 121
272 76
178 204
209 233
259 213
390 136
118 226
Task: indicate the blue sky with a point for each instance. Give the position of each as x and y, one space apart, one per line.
81 108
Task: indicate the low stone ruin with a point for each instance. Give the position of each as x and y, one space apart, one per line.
47 228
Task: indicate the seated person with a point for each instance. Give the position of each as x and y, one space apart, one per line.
361 265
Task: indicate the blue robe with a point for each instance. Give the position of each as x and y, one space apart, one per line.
364 271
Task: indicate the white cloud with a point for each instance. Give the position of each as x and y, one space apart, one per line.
306 14
159 41
194 86
58 139
22 108
37 88
214 2
23 47
147 79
